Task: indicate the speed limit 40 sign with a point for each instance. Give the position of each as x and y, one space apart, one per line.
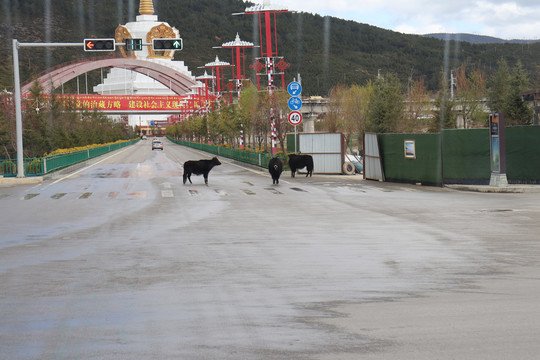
295 118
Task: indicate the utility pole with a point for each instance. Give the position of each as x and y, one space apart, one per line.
269 52
452 85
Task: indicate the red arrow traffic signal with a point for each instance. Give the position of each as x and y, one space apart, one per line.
99 45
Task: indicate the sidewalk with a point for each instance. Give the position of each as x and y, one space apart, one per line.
511 188
20 181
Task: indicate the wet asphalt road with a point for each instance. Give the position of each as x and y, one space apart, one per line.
117 259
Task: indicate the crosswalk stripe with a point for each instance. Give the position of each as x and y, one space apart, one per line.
86 195
167 193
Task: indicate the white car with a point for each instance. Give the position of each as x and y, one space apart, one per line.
157 144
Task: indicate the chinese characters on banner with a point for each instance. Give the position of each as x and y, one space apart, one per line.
123 102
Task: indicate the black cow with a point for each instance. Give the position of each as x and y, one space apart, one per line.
201 167
275 167
299 162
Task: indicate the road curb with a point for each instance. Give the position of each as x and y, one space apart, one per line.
21 181
496 189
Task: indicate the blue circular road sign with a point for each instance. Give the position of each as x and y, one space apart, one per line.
295 103
294 88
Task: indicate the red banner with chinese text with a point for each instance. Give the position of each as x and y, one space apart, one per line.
121 103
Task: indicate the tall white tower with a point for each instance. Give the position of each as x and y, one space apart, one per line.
126 82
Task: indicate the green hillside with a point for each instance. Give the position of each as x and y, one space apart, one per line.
325 51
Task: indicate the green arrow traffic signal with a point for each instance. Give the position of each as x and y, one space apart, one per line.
167 44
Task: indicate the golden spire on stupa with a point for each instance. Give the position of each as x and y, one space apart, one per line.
146 7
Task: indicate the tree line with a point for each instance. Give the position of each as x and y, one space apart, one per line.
49 125
248 118
464 100
384 105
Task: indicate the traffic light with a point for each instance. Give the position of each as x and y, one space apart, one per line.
134 44
167 44
99 45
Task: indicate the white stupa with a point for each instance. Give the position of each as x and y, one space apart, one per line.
126 82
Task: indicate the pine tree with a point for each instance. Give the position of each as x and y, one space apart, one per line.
499 88
516 111
385 105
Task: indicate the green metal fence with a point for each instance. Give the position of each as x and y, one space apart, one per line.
47 164
247 156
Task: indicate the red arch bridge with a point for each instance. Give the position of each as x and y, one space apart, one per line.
191 97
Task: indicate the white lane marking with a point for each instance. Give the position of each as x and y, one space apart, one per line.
167 193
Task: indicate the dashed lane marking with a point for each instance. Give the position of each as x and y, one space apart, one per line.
167 193
110 195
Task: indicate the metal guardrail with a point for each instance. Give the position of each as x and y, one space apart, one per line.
47 164
247 156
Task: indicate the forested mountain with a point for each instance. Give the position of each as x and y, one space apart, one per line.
477 39
325 51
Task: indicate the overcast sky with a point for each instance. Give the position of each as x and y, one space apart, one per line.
505 19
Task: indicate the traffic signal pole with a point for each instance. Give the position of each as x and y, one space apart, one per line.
17 94
17 99
18 112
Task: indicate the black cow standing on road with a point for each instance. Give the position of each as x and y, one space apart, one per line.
275 167
200 167
299 162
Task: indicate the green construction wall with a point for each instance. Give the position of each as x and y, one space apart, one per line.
466 156
425 168
291 144
523 154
